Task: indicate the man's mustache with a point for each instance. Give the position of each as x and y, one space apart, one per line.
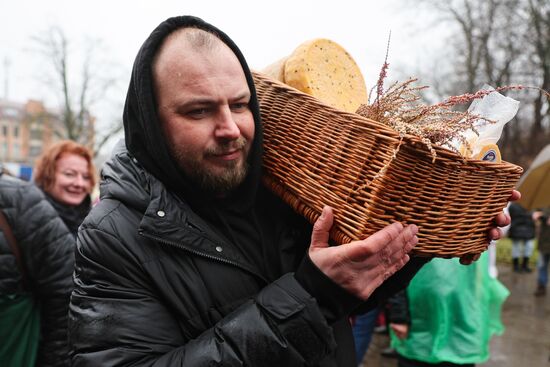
229 146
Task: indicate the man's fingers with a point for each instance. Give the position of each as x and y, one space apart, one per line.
494 234
502 219
321 228
516 195
378 240
359 250
399 248
390 244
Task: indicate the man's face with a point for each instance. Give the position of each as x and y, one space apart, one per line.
202 99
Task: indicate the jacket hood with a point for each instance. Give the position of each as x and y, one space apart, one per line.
143 134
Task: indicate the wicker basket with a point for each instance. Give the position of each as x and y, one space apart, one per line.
316 155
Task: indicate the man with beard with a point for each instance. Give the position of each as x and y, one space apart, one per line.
188 260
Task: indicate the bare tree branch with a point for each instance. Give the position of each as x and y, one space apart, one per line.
501 42
78 96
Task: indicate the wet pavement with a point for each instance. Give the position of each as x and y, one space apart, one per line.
524 343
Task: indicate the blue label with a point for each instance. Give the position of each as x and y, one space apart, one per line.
490 155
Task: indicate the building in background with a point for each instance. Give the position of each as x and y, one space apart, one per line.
26 130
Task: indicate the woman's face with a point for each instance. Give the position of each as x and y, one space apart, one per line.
72 180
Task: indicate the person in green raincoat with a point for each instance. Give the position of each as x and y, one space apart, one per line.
454 311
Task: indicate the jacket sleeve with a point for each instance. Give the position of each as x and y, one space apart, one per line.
48 251
398 308
118 319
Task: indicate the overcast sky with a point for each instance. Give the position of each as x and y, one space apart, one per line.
265 32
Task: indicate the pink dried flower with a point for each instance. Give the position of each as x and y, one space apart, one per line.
438 124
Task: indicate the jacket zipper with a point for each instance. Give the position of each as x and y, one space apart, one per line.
202 254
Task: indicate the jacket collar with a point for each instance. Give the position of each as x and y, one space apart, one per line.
166 217
169 220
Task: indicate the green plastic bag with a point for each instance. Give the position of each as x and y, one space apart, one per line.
455 309
19 330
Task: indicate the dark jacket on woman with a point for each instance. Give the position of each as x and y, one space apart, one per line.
167 275
47 249
71 215
522 226
397 308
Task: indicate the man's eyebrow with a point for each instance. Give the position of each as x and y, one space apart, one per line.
193 102
202 101
243 95
196 101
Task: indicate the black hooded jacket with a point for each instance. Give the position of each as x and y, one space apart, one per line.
163 276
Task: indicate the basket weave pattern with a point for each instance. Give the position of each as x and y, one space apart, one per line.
316 155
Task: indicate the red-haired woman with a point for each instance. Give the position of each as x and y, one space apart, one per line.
66 174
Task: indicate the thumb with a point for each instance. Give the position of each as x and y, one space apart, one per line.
321 228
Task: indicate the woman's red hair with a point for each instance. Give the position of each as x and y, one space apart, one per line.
45 167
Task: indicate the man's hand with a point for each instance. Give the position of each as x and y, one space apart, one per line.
400 330
361 266
501 220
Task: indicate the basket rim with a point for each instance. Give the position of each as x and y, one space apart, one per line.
392 133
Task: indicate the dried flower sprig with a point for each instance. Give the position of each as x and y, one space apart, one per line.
382 76
400 108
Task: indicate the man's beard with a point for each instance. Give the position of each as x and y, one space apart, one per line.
215 182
